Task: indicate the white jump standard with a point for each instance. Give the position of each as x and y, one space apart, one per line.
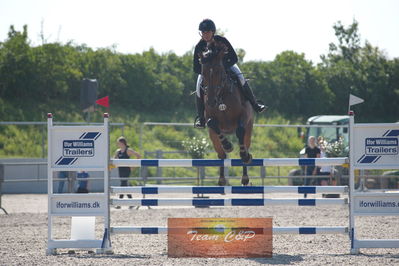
368 150
86 148
78 148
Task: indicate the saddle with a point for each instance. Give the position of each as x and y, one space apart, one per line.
233 77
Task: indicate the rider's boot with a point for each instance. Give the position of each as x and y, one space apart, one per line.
258 106
200 119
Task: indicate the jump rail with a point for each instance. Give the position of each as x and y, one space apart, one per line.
305 230
229 162
227 202
230 189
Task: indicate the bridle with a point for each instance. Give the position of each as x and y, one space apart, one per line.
218 89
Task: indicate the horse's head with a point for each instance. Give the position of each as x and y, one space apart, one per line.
213 72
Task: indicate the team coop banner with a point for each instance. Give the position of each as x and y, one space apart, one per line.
220 237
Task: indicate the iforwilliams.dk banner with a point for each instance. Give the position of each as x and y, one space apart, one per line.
220 237
92 204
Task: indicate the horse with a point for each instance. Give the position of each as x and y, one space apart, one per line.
226 109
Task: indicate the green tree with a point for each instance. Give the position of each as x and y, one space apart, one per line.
364 71
291 85
36 80
16 67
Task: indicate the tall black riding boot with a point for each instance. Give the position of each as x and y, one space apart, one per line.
249 95
200 119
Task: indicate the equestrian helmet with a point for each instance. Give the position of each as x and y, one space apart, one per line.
207 25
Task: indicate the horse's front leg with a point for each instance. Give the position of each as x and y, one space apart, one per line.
214 126
217 145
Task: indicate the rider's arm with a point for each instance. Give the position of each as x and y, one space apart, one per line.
231 57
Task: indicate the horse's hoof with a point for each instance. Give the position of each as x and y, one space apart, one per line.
246 159
222 181
244 180
228 147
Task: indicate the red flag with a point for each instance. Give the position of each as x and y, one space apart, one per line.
103 101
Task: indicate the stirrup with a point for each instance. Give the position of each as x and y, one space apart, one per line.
199 122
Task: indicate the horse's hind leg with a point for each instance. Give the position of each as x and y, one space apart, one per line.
221 155
226 144
246 157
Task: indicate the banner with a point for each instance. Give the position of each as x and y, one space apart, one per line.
220 237
376 146
78 147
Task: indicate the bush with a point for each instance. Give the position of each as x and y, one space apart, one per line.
196 147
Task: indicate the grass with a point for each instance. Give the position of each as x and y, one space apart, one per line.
30 141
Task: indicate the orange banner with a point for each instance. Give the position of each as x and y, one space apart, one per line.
220 237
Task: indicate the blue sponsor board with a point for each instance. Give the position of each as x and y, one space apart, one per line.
78 148
381 146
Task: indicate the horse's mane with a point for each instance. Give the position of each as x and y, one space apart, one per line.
212 52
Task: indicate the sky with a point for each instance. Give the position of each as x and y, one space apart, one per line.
262 28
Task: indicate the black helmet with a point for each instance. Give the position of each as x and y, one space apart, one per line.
207 25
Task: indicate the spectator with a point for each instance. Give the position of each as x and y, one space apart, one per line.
324 170
82 188
62 175
124 152
311 151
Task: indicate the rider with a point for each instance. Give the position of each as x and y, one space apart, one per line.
207 30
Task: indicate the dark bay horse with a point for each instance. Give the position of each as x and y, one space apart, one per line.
226 110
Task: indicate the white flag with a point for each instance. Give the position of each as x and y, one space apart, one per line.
354 100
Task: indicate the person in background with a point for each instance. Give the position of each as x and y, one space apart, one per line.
62 175
124 152
324 170
311 151
82 188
